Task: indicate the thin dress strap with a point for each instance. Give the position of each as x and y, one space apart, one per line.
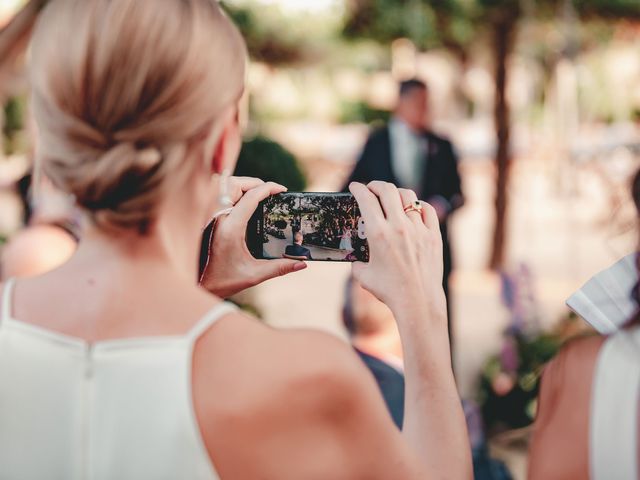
211 317
7 297
614 409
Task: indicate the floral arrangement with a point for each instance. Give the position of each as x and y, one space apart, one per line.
509 382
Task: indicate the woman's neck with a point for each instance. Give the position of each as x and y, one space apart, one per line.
170 246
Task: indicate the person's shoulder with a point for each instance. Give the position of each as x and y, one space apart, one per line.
35 236
317 379
578 353
271 375
289 394
36 249
560 443
264 359
319 364
316 359
571 370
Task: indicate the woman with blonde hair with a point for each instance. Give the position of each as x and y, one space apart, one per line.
117 365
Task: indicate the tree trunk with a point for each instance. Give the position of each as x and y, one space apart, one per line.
504 30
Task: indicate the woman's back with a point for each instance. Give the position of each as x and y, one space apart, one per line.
587 424
155 395
112 409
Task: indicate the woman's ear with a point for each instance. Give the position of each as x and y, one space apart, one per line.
218 156
227 149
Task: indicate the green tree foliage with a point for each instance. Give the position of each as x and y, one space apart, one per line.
277 36
387 20
431 23
14 122
268 160
266 42
362 112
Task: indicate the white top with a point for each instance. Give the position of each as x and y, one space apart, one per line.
116 409
604 301
408 154
614 408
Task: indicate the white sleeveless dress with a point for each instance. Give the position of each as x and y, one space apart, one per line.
614 408
116 409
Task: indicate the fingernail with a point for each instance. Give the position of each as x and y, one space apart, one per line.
299 266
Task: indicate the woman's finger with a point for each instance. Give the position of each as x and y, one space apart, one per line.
247 183
409 197
357 270
239 185
389 199
368 203
430 217
247 205
269 269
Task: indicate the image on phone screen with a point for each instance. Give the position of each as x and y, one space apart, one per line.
308 226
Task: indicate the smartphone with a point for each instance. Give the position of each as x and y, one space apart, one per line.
308 226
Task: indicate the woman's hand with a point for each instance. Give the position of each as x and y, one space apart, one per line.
405 271
230 267
405 267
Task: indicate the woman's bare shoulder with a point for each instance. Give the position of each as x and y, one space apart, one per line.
35 250
560 444
282 357
295 384
576 359
567 378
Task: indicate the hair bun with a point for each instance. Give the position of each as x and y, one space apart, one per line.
139 159
147 158
121 173
123 118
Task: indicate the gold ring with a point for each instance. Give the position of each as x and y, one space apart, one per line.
413 207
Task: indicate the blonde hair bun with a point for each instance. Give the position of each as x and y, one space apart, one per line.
121 106
118 166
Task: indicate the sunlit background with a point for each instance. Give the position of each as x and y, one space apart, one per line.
324 72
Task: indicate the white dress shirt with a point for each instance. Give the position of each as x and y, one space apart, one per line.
408 154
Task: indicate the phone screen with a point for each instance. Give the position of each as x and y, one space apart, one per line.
309 226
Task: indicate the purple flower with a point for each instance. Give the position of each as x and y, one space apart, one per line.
509 358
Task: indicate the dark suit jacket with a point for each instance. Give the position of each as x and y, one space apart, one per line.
391 384
298 251
440 178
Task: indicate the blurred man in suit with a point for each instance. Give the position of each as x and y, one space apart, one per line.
297 250
408 154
